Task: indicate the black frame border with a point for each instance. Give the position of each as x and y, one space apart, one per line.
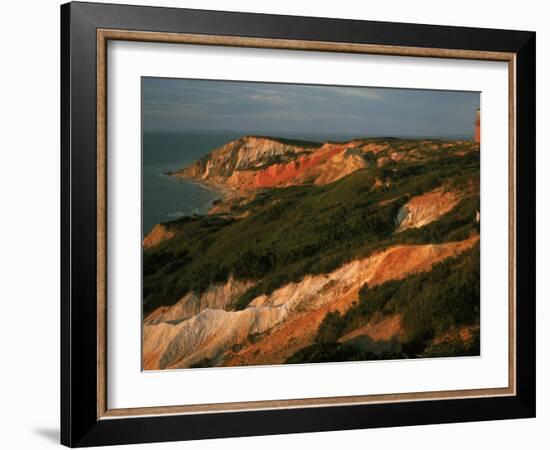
79 423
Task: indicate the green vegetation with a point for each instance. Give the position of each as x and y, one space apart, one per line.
336 352
455 347
307 229
331 328
205 362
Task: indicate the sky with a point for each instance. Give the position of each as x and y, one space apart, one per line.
280 109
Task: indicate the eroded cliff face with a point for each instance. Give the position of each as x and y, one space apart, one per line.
220 296
252 163
246 153
206 336
426 208
275 326
158 234
323 166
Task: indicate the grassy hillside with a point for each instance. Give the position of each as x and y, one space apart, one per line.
283 234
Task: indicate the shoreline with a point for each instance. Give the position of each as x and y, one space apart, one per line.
225 192
221 195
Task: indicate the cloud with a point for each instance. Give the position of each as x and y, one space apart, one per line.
180 104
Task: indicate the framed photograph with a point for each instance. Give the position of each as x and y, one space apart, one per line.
276 224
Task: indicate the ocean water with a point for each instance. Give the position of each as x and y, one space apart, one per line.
166 198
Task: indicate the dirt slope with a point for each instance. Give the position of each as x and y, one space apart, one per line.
275 326
158 234
426 208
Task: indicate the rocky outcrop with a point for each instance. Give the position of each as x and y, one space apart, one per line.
426 208
158 234
325 165
246 153
275 326
215 297
206 336
252 163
